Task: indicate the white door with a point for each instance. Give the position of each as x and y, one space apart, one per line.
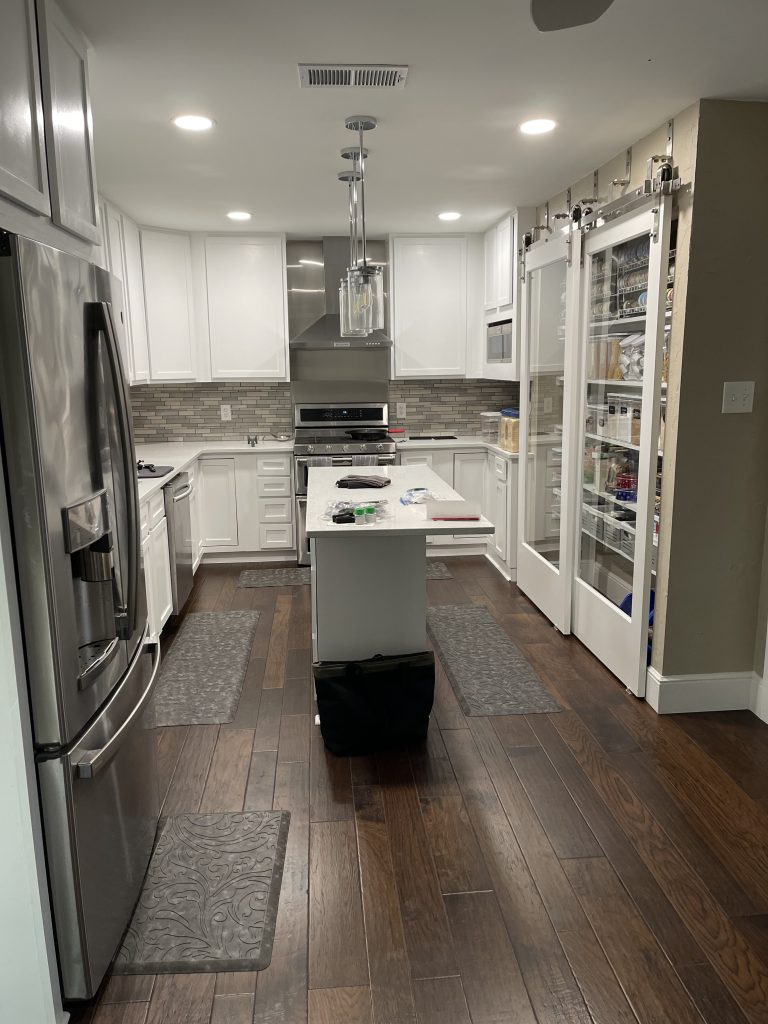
167 272
68 123
218 503
429 304
247 312
498 516
23 170
624 317
549 355
134 286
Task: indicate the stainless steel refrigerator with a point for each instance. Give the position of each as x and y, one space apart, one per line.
70 469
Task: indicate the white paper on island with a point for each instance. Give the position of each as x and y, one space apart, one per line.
453 509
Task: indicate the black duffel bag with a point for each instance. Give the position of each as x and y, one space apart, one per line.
378 704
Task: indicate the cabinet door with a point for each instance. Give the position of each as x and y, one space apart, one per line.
504 262
160 570
134 287
439 460
113 236
247 308
469 471
489 263
218 503
146 561
430 306
23 171
499 517
68 123
167 273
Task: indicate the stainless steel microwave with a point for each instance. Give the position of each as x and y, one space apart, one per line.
499 342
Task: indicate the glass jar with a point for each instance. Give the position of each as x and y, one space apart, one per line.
490 425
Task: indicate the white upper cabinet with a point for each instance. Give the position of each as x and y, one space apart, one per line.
23 172
167 271
68 123
500 264
134 286
247 313
113 240
429 306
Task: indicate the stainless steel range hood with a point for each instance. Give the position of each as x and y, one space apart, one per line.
314 270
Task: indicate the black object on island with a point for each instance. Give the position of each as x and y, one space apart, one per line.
360 482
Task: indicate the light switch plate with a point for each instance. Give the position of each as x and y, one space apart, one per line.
738 396
226 413
401 410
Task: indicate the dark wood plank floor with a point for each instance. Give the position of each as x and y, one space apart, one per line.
597 866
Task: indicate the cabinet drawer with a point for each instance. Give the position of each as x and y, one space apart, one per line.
271 537
273 465
273 487
275 510
499 467
144 520
156 509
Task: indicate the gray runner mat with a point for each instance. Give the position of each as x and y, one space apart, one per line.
293 576
299 575
209 899
202 677
489 674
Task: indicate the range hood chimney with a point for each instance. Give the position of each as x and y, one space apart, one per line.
304 302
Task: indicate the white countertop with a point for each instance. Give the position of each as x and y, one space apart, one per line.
405 520
181 454
462 441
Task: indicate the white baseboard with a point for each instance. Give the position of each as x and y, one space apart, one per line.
233 557
509 574
720 691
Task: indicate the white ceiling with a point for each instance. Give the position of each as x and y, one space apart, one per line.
448 141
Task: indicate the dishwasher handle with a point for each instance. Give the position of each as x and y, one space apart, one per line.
183 493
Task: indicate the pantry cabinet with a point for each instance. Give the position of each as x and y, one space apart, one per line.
168 295
247 313
122 257
429 306
23 170
68 123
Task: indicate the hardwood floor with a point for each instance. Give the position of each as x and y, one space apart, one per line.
601 865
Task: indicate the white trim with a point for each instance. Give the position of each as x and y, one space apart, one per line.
510 575
720 691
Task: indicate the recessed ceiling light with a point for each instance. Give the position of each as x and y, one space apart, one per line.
193 122
449 215
239 215
539 126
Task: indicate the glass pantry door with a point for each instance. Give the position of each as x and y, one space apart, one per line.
546 548
626 309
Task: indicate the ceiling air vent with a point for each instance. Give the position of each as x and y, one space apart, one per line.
353 76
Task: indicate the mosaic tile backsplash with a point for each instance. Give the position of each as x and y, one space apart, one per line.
189 412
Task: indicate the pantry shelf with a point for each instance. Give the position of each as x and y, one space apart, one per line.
605 544
607 495
614 442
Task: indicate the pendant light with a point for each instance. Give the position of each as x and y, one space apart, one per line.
361 290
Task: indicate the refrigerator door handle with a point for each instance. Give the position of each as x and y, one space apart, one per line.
100 320
92 762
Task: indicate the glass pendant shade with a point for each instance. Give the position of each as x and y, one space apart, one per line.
376 284
354 307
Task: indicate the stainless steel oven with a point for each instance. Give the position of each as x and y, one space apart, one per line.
499 342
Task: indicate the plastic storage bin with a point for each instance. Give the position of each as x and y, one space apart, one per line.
509 430
490 426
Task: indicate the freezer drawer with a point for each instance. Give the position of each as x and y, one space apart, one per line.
100 811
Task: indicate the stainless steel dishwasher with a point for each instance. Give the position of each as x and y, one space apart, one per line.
177 511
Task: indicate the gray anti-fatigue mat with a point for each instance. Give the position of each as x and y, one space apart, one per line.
489 674
209 899
202 677
300 575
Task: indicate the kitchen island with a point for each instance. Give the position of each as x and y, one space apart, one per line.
369 592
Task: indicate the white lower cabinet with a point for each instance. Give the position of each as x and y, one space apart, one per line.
498 514
156 561
218 503
196 483
469 469
275 537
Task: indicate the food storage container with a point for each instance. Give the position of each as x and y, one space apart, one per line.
489 426
509 430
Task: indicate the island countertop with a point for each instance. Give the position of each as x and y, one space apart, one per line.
403 521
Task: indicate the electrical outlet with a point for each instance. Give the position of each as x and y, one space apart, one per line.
738 396
401 414
226 413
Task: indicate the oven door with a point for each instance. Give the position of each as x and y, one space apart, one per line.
304 463
302 541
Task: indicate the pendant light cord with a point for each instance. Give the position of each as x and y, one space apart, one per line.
362 191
